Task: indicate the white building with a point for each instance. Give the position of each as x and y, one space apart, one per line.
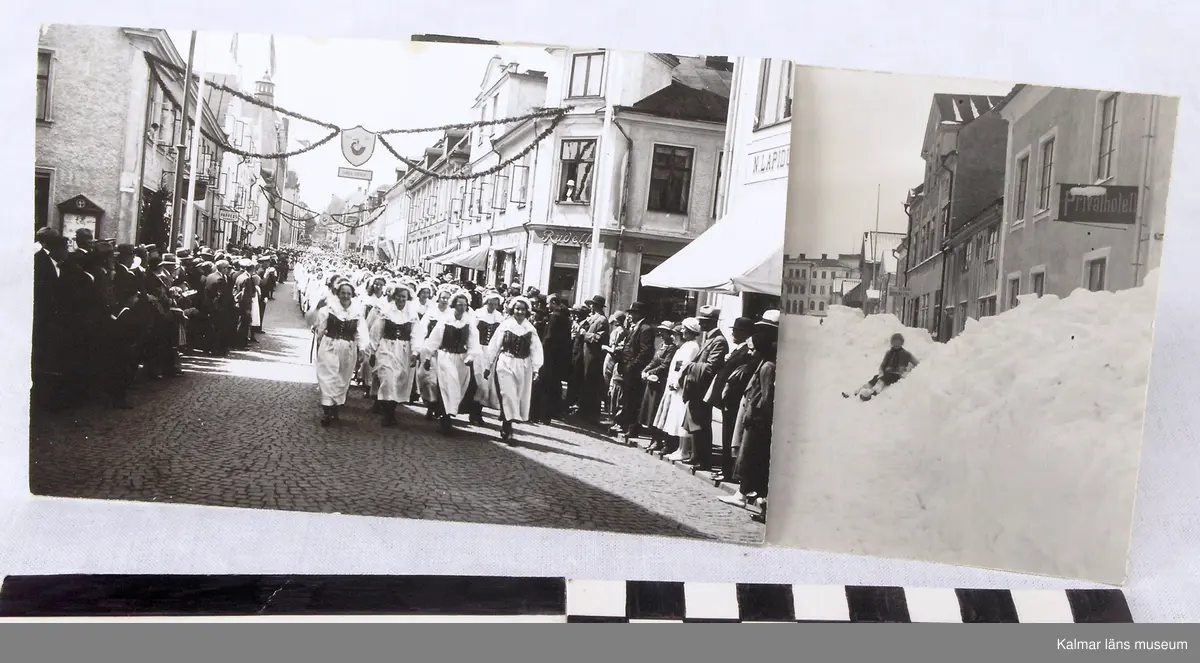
737 264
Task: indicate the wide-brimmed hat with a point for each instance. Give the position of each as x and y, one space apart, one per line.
666 325
168 259
691 324
770 319
709 313
743 324
598 301
636 307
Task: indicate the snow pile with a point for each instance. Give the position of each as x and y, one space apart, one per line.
1015 444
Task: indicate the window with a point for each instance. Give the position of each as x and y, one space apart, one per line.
987 306
41 199
822 305
564 271
578 162
812 306
45 64
824 275
586 71
946 219
1108 138
520 183
1022 191
1014 291
1046 175
670 179
822 290
992 238
1037 283
1094 272
495 114
774 93
801 307
804 273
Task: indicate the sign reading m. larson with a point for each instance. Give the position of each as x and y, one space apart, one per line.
1098 204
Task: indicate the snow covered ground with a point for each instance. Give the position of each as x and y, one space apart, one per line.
1014 446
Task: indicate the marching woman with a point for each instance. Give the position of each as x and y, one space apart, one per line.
450 349
341 341
671 409
395 355
371 301
515 356
427 376
487 321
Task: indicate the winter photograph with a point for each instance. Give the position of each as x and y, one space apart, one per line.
968 293
439 278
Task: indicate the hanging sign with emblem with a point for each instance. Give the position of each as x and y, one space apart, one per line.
78 213
358 145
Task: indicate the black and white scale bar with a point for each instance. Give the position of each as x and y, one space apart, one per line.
482 598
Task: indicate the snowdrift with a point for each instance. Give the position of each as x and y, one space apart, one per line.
1014 445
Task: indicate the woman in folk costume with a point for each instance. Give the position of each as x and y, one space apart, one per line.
669 419
425 292
451 348
392 327
515 357
427 376
487 321
371 299
341 341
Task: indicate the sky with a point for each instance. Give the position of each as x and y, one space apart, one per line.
870 129
349 82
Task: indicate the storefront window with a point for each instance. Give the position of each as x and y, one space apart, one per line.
564 272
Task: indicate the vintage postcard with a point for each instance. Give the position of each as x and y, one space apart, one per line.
969 291
444 278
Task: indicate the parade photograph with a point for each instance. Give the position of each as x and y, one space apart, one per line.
969 290
438 278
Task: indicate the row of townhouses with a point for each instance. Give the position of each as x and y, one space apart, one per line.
107 128
666 183
1042 192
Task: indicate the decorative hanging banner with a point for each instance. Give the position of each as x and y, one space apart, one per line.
358 145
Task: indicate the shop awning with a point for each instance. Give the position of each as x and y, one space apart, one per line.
448 257
432 256
744 245
473 258
765 279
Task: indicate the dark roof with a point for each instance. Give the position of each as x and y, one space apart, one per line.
447 39
699 73
964 108
680 102
1012 93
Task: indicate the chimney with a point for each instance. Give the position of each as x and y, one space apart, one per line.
719 62
802 256
264 90
824 256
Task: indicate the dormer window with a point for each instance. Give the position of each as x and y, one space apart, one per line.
586 73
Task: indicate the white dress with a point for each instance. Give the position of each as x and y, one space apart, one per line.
427 380
451 360
370 305
485 390
512 376
337 357
394 371
672 408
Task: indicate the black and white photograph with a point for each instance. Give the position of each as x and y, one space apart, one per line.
969 290
439 278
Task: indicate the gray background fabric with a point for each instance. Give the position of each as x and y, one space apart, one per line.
1070 43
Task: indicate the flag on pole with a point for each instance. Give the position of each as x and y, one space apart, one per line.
233 48
272 56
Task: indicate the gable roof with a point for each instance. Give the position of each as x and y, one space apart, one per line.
955 110
680 102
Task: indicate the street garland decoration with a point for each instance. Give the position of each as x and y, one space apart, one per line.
556 116
275 200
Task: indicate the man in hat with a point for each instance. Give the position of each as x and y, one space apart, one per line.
244 289
757 416
595 337
83 246
728 386
697 378
217 307
635 357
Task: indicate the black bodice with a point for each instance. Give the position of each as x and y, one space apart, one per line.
518 346
454 339
346 330
397 331
486 329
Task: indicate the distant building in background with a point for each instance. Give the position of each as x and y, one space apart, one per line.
811 284
106 127
1060 137
427 205
490 234
931 214
878 272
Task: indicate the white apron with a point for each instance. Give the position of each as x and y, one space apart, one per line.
336 358
394 370
485 390
427 380
453 369
512 377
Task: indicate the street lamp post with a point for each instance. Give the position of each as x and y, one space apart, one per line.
181 146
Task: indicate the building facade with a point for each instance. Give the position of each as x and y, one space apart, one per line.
627 179
931 212
428 204
106 129
811 284
1083 138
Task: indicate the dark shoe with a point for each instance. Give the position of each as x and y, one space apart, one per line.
326 415
430 415
476 419
447 424
336 413
377 407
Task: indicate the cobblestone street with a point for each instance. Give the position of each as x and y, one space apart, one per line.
243 432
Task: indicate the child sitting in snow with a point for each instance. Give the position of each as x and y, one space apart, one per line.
896 364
